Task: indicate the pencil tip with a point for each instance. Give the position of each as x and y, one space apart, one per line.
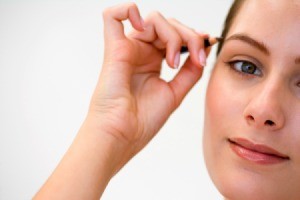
214 40
219 39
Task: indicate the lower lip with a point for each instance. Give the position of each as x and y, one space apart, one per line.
256 157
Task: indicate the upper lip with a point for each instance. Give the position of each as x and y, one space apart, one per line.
257 147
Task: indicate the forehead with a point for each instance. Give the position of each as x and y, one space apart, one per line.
276 23
268 19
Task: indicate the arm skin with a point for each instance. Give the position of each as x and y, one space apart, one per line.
121 119
86 168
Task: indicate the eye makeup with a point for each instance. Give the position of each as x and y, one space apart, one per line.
244 67
243 59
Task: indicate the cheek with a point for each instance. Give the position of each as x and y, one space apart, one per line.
293 141
226 100
219 112
223 118
224 106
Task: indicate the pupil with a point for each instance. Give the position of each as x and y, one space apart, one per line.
248 68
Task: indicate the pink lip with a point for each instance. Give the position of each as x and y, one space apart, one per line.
257 153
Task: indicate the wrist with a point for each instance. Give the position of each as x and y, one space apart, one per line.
115 151
87 167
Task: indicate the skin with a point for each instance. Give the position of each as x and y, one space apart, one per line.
121 119
119 122
238 105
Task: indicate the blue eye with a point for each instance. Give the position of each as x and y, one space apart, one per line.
245 67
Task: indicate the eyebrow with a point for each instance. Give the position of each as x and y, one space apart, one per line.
257 44
251 41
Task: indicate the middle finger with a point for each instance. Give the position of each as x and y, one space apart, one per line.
162 35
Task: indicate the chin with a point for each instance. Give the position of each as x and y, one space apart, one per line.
239 185
236 180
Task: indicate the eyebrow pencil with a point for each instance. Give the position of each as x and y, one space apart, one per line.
207 43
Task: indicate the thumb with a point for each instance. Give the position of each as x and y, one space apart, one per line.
186 78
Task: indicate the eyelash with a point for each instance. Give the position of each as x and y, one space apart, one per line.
231 66
240 72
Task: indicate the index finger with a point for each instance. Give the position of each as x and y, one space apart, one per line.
113 17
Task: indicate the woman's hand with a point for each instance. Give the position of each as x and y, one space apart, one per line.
131 102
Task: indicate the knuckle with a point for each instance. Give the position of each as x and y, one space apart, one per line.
131 5
110 10
176 39
190 31
154 14
173 20
106 12
196 39
179 39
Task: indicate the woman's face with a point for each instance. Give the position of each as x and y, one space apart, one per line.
252 118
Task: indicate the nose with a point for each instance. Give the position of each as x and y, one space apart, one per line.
264 110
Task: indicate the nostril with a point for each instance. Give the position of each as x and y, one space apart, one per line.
251 118
269 122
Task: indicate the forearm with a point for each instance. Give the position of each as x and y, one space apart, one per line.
136 102
86 168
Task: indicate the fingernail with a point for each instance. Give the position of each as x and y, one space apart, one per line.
176 60
202 57
142 23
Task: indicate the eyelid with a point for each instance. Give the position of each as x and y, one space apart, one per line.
231 64
249 59
241 62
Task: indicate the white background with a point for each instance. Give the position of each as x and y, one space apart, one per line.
50 58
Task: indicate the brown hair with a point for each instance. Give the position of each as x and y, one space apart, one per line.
233 11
